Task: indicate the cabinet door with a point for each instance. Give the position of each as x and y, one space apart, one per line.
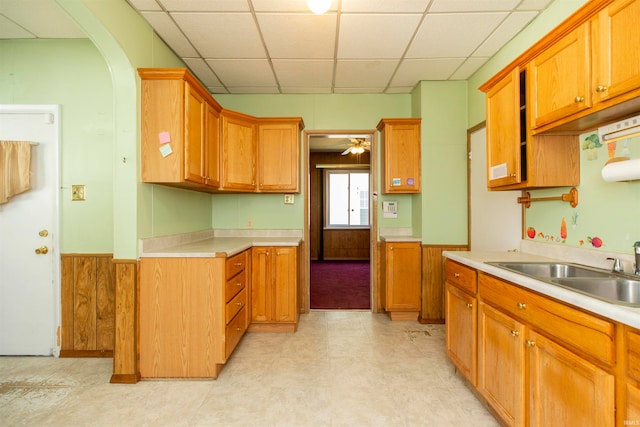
501 365
238 152
560 84
278 157
461 327
566 390
503 132
403 276
212 147
401 155
193 135
261 294
285 282
616 54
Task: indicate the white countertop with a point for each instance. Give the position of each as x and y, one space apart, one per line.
212 244
478 259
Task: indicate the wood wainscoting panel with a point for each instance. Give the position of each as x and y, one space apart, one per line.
87 305
346 244
432 310
125 350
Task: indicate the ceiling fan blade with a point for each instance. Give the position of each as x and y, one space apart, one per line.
347 151
366 147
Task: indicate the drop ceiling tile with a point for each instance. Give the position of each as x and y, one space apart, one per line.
298 35
243 72
447 35
505 32
162 23
222 35
11 30
146 5
217 89
44 18
303 73
254 89
305 90
467 69
473 5
352 90
534 4
287 6
375 36
400 89
205 5
364 73
370 6
412 71
202 70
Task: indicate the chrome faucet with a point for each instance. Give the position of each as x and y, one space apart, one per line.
636 249
617 265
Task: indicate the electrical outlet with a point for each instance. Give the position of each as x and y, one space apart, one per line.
249 223
78 193
288 199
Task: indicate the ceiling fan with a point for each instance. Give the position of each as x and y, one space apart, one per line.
358 146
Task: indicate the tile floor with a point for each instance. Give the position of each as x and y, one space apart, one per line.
342 368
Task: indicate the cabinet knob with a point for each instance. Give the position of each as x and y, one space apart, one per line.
601 88
456 275
531 343
512 175
522 306
238 303
238 329
579 99
515 333
238 264
239 284
469 305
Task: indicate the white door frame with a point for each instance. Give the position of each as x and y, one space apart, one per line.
51 113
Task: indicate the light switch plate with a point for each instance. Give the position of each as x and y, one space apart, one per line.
78 193
288 199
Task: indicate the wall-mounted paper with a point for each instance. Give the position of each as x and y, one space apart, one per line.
625 170
165 150
164 137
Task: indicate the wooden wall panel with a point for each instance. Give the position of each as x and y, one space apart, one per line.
125 348
346 244
88 304
432 310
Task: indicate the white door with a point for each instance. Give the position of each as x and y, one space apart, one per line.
496 216
29 282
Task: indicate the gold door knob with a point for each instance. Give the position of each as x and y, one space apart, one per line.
42 250
579 99
43 233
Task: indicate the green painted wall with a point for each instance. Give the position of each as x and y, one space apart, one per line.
71 73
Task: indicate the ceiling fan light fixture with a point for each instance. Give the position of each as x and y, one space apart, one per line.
319 6
357 150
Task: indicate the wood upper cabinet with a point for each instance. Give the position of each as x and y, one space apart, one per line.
180 130
560 78
402 263
616 52
238 151
565 389
279 154
501 363
401 159
504 132
274 284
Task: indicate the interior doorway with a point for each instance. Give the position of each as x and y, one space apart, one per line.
340 230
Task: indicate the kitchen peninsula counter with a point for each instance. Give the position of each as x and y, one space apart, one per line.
478 260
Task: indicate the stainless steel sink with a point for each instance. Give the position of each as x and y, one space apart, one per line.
551 270
615 289
597 283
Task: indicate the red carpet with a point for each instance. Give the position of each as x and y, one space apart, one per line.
340 285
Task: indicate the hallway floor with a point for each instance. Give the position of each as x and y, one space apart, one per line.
342 368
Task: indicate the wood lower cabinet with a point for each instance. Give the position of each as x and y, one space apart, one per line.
192 314
402 272
274 285
501 364
629 388
88 305
461 329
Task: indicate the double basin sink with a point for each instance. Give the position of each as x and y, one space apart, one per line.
608 286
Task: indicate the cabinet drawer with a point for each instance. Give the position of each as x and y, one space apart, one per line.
574 328
235 330
236 264
235 285
236 304
632 341
461 276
